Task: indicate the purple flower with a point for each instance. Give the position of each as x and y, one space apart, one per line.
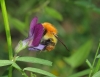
35 36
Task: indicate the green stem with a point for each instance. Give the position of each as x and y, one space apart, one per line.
8 36
97 67
10 71
94 61
7 29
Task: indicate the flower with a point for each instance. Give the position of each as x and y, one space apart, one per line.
35 35
34 38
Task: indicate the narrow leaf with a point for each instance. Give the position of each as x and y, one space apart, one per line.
97 10
97 68
80 74
84 4
34 60
5 62
3 76
96 74
98 56
33 75
36 70
19 25
16 66
89 64
53 13
80 55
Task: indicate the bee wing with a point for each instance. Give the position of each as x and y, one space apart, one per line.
61 41
38 33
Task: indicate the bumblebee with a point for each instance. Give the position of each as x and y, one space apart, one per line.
50 37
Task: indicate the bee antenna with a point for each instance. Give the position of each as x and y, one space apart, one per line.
61 41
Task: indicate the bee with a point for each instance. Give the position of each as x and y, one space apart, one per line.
50 37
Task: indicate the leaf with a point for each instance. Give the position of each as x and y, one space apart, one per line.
89 64
97 67
88 5
97 10
16 66
36 70
25 7
53 13
3 76
96 74
34 60
80 74
84 4
5 62
19 25
81 54
98 56
33 75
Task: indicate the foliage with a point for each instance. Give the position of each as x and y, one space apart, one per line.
78 27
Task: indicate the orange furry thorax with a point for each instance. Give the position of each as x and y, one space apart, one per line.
50 28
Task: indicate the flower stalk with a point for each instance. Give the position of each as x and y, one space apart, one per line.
7 30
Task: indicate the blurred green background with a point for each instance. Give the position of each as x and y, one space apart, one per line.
78 24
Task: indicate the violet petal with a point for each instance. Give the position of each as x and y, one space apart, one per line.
40 47
38 32
32 25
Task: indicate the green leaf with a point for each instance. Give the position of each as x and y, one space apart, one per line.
80 74
33 75
84 4
80 55
88 5
16 66
89 64
36 70
34 60
53 13
96 74
98 56
5 62
97 67
3 76
97 10
20 26
25 7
